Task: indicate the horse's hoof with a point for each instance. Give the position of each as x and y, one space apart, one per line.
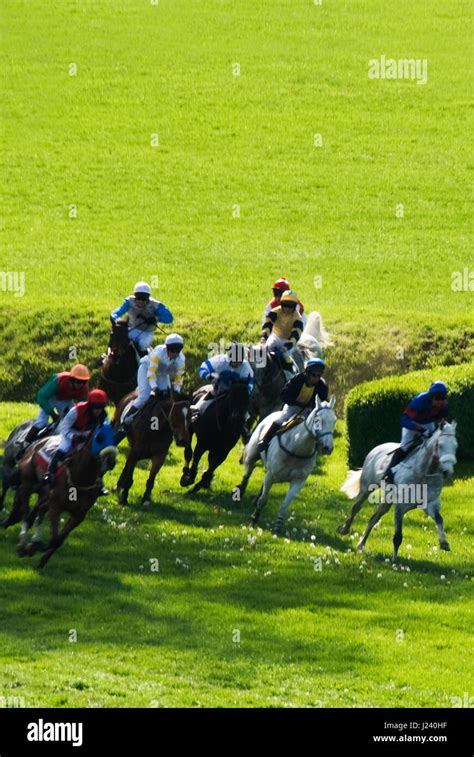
445 545
253 520
360 546
123 500
22 550
146 504
342 529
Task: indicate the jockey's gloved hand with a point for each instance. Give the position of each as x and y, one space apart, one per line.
150 321
288 345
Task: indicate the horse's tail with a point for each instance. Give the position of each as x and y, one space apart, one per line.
315 328
351 485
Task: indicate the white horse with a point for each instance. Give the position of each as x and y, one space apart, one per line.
314 337
417 482
290 456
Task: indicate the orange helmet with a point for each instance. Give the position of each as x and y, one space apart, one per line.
80 372
97 397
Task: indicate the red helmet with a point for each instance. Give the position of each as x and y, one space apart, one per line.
281 284
97 397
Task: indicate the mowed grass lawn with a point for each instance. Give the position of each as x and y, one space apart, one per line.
170 212
233 616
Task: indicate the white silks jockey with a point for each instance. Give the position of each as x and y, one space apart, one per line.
222 370
162 369
144 313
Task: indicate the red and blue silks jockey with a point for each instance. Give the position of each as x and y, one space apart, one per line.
419 419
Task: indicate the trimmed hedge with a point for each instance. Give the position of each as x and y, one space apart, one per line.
373 409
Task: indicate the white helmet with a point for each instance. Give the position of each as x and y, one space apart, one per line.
142 288
174 339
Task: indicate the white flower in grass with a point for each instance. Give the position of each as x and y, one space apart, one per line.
268 573
405 585
379 575
313 538
443 578
408 546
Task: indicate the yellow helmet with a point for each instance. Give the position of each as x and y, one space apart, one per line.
289 296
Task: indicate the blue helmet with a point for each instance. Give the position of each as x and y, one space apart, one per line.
438 387
315 362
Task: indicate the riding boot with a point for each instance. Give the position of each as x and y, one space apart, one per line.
56 459
266 439
397 457
122 430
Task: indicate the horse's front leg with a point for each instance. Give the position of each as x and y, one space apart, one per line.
383 508
156 463
188 456
295 488
398 534
433 511
261 498
58 538
199 450
126 477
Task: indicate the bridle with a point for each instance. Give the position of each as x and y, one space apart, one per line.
167 417
316 436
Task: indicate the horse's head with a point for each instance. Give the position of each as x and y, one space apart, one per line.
178 421
102 446
119 341
444 448
321 422
238 399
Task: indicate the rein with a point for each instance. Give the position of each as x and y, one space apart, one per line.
317 438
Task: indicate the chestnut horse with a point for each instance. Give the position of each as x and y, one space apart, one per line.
150 435
75 489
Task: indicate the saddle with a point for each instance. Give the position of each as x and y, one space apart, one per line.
295 421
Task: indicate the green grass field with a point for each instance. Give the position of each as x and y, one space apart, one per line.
235 194
319 624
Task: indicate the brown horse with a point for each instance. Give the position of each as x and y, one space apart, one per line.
150 436
75 490
119 369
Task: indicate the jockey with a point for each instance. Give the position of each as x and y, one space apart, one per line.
299 395
164 364
223 370
56 398
419 419
282 329
281 285
77 425
144 313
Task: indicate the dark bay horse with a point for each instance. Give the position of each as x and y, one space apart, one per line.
217 432
75 489
120 366
150 435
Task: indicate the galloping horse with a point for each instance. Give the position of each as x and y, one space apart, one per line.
427 467
291 455
217 432
75 489
150 436
119 369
